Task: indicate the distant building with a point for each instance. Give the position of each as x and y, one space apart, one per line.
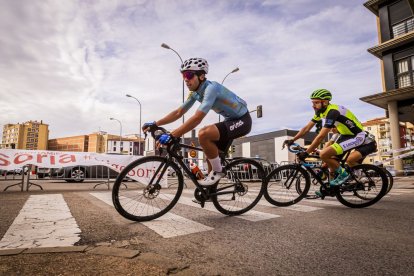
269 145
31 135
73 143
380 127
395 23
99 142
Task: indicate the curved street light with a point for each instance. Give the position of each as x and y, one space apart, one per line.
120 133
163 45
140 126
233 71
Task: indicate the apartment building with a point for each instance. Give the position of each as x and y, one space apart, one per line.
73 143
99 142
381 128
31 135
395 24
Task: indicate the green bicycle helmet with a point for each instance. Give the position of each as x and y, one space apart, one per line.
322 94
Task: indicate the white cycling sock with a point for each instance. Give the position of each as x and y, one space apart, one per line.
215 164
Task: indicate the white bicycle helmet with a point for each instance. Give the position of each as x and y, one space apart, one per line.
196 64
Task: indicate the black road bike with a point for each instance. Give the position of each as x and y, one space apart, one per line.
289 184
158 184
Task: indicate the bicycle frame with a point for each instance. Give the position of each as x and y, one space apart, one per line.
173 156
310 169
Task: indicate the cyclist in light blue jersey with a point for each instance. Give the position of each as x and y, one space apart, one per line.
212 96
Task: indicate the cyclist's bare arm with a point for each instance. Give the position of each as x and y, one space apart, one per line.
189 124
171 117
318 139
304 130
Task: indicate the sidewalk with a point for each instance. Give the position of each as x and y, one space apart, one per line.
87 260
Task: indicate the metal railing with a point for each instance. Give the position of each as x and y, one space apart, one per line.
403 28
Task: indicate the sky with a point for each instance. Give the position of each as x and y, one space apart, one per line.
71 63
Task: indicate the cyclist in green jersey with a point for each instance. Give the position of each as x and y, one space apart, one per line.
352 134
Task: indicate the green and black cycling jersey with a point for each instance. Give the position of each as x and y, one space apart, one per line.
340 117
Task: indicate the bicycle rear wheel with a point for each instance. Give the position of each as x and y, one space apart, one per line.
153 186
241 188
287 185
366 186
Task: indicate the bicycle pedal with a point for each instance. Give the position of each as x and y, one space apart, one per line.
202 203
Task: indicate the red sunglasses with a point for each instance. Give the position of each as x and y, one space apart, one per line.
188 75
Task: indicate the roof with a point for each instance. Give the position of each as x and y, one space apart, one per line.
404 98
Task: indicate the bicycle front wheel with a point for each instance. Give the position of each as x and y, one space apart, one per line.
287 185
241 189
390 180
147 188
366 185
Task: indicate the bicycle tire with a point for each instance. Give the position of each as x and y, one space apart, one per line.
366 186
280 190
144 201
390 180
245 184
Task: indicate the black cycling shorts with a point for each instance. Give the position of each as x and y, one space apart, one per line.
232 129
364 149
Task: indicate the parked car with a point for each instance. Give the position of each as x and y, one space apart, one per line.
80 173
18 171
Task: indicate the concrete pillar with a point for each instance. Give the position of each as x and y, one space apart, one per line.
395 135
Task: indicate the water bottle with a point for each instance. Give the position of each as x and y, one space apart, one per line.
196 171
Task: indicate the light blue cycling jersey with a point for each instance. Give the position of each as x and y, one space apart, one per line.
215 96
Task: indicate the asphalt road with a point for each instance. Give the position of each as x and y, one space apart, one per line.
317 238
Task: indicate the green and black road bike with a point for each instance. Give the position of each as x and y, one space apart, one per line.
289 184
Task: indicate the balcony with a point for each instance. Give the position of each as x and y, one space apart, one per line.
391 44
403 28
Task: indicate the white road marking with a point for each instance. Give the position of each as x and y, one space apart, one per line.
250 215
169 225
263 202
44 221
295 207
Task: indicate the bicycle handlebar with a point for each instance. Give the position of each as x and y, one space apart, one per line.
295 148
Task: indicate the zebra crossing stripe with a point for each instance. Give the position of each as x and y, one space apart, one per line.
295 207
44 221
250 215
400 191
263 202
167 226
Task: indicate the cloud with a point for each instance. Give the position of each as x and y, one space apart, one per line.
70 64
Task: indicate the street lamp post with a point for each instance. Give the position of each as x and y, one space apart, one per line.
163 45
233 71
140 125
120 133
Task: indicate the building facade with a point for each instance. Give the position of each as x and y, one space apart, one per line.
31 135
381 129
269 145
74 143
99 142
395 23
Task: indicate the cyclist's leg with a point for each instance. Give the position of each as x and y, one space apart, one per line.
326 156
358 155
346 143
207 137
216 137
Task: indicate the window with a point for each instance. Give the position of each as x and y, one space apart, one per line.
405 72
114 149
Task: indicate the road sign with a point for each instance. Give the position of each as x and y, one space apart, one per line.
193 153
